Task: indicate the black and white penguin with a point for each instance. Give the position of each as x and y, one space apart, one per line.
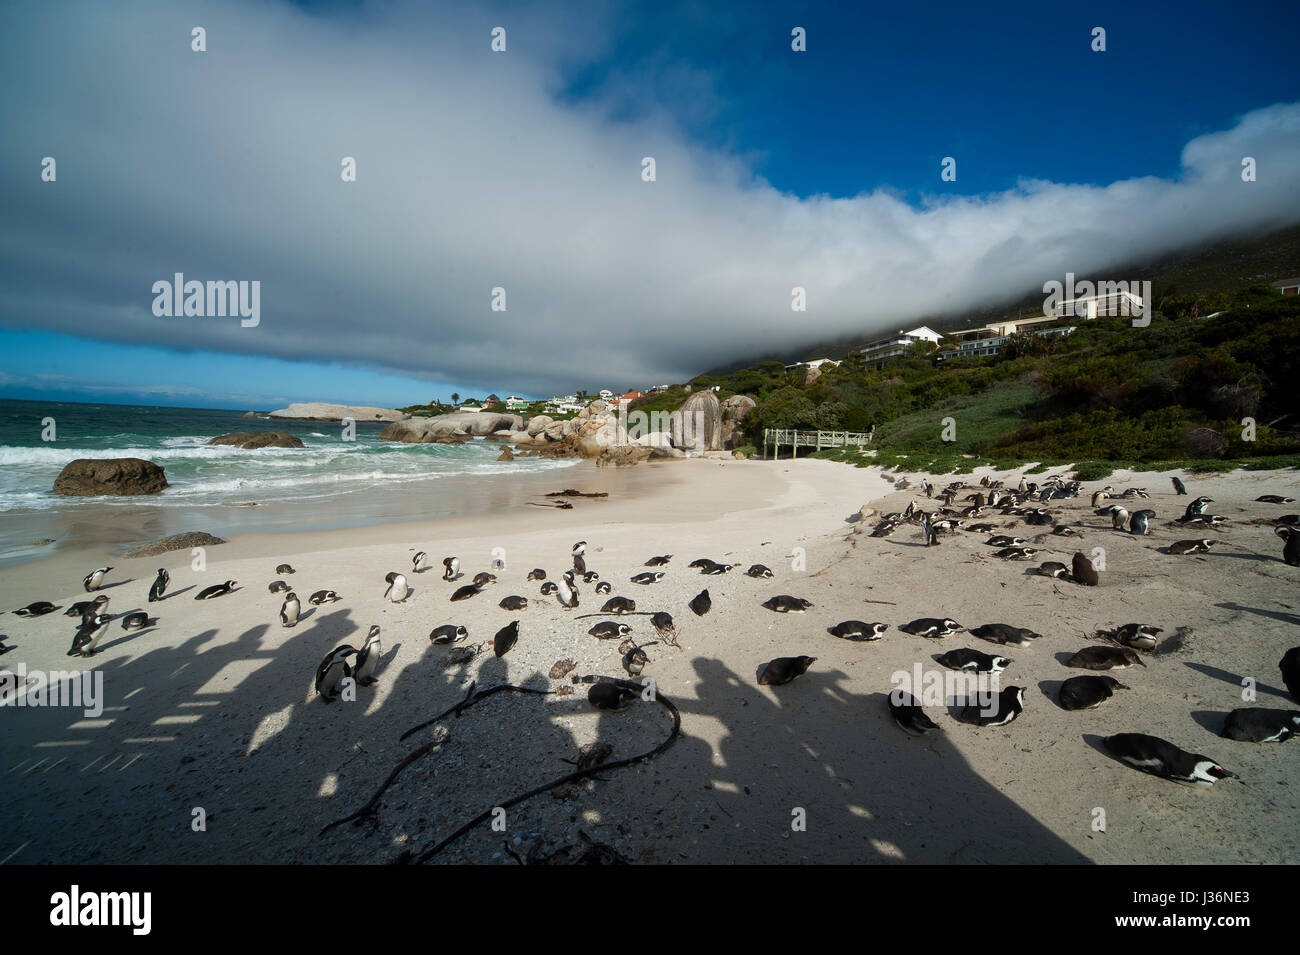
1179 487
363 668
1258 724
88 608
1104 658
1054 568
289 610
483 579
323 597
1290 667
536 574
135 621
604 587
1087 692
618 605
931 627
1139 636
277 587
609 630
1065 530
784 603
397 589
858 631
782 670
95 579
1275 499
972 660
216 590
417 562
1006 634
1015 553
701 603
909 716
1139 522
1205 520
284 569
1159 757
159 585
567 590
38 608
758 571
590 577
610 696
579 563
1119 518
549 587
1291 544
1010 703
448 633
513 602
1192 546
648 577
505 638
658 561
450 567
1083 571
663 624
1196 508
88 634
634 660
1003 540
333 670
700 562
467 591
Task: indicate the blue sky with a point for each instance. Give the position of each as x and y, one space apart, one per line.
827 160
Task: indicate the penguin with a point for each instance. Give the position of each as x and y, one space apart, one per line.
289 610
634 660
609 630
604 587
972 660
1196 508
579 564
278 587
397 591
1274 499
858 631
618 605
1138 523
88 608
610 696
1087 692
1065 530
982 528
758 572
450 567
95 579
465 592
417 562
549 587
1015 553
513 603
448 633
482 579
782 670
505 638
1039 517
1290 667
1118 518
159 585
1291 544
1002 540
135 621
333 670
1204 520
1138 636
1098 498
1159 757
1104 658
647 578
38 608
658 561
784 603
664 626
567 590
323 597
1191 547
909 716
885 528
1006 634
699 562
713 569
536 574
701 603
216 590
1257 724
1083 572
1292 519
590 577
1009 705
363 668
928 532
88 634
1179 487
284 569
1053 568
931 627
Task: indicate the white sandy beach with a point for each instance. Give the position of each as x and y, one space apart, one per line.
214 708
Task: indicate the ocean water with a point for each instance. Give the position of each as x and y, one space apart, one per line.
328 483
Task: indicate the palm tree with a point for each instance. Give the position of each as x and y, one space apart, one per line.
455 399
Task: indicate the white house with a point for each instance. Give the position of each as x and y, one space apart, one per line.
896 345
1288 286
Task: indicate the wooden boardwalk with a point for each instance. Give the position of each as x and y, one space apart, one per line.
817 440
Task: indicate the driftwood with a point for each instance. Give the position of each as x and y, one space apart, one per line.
570 492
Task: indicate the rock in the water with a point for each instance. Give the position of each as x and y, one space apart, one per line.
91 477
175 542
259 439
506 454
427 430
697 424
322 411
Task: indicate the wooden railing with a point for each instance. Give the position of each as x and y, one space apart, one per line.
817 440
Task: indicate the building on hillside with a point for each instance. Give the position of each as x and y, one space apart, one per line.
992 345
606 394
1288 286
896 345
470 405
622 401
813 363
657 389
514 401
1106 302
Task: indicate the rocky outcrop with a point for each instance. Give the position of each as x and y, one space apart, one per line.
538 423
506 454
92 477
249 440
184 541
321 411
441 427
734 411
697 424
624 455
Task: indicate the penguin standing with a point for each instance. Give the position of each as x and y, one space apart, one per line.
1291 543
88 634
1138 522
567 590
701 603
1083 571
1118 518
363 669
333 670
159 585
397 590
505 638
1179 487
1151 754
417 562
1290 667
95 579
579 564
450 568
289 610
